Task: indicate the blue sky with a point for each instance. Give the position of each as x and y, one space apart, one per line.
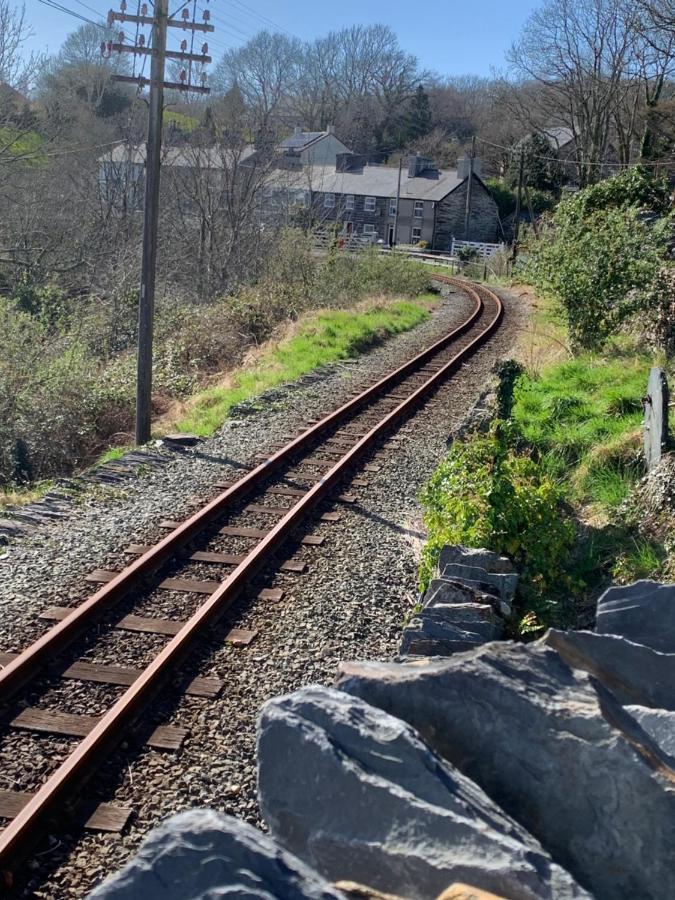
450 38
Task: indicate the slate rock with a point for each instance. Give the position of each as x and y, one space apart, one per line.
358 796
659 725
201 855
470 556
553 747
443 629
632 672
446 590
643 612
504 584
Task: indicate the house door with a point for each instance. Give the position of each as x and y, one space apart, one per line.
390 239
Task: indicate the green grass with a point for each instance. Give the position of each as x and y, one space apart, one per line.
321 339
112 454
583 417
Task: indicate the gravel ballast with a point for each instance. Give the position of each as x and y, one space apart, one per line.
351 601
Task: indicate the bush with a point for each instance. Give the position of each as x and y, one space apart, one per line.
485 494
600 265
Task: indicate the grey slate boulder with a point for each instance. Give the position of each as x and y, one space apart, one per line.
201 855
357 795
659 725
504 585
643 612
632 672
551 746
443 629
470 556
443 591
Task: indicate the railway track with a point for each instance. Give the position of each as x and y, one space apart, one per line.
206 562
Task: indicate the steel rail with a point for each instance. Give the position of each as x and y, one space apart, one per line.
43 651
17 838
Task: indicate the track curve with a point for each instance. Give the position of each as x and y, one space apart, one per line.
417 379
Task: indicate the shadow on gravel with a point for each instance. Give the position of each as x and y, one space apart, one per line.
392 526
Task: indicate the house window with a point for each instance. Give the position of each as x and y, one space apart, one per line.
349 201
369 204
329 200
392 206
369 229
416 235
419 209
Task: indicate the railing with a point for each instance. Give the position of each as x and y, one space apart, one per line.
482 248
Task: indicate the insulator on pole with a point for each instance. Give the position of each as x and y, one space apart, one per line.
144 9
120 37
183 45
207 15
203 77
123 5
111 18
141 40
205 49
186 14
183 75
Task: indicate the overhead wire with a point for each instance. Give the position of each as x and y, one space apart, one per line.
574 162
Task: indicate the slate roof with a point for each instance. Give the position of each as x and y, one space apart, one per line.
559 136
177 157
372 181
301 140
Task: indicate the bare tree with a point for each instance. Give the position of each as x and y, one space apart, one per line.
654 64
578 52
265 71
17 69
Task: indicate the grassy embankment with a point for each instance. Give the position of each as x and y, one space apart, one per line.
571 454
318 339
582 417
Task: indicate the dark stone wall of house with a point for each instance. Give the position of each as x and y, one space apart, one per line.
483 220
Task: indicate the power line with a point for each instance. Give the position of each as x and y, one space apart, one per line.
70 12
574 162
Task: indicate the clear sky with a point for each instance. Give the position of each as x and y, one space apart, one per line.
450 38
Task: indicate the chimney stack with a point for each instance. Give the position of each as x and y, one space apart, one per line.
330 129
418 164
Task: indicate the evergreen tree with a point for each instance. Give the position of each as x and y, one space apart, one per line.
541 168
417 122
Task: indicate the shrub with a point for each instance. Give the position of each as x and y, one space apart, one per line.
600 266
485 494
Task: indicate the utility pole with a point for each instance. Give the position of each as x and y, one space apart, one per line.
158 53
469 187
398 200
519 198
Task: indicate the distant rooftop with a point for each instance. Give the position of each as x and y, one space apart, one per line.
301 139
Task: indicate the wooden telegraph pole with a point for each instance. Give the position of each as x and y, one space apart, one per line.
158 53
469 188
519 198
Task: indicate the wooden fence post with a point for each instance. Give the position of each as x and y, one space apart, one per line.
655 434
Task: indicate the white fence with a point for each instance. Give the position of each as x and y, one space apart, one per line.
484 250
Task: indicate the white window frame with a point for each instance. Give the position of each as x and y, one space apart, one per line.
418 209
414 239
369 228
392 206
369 204
329 201
349 201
